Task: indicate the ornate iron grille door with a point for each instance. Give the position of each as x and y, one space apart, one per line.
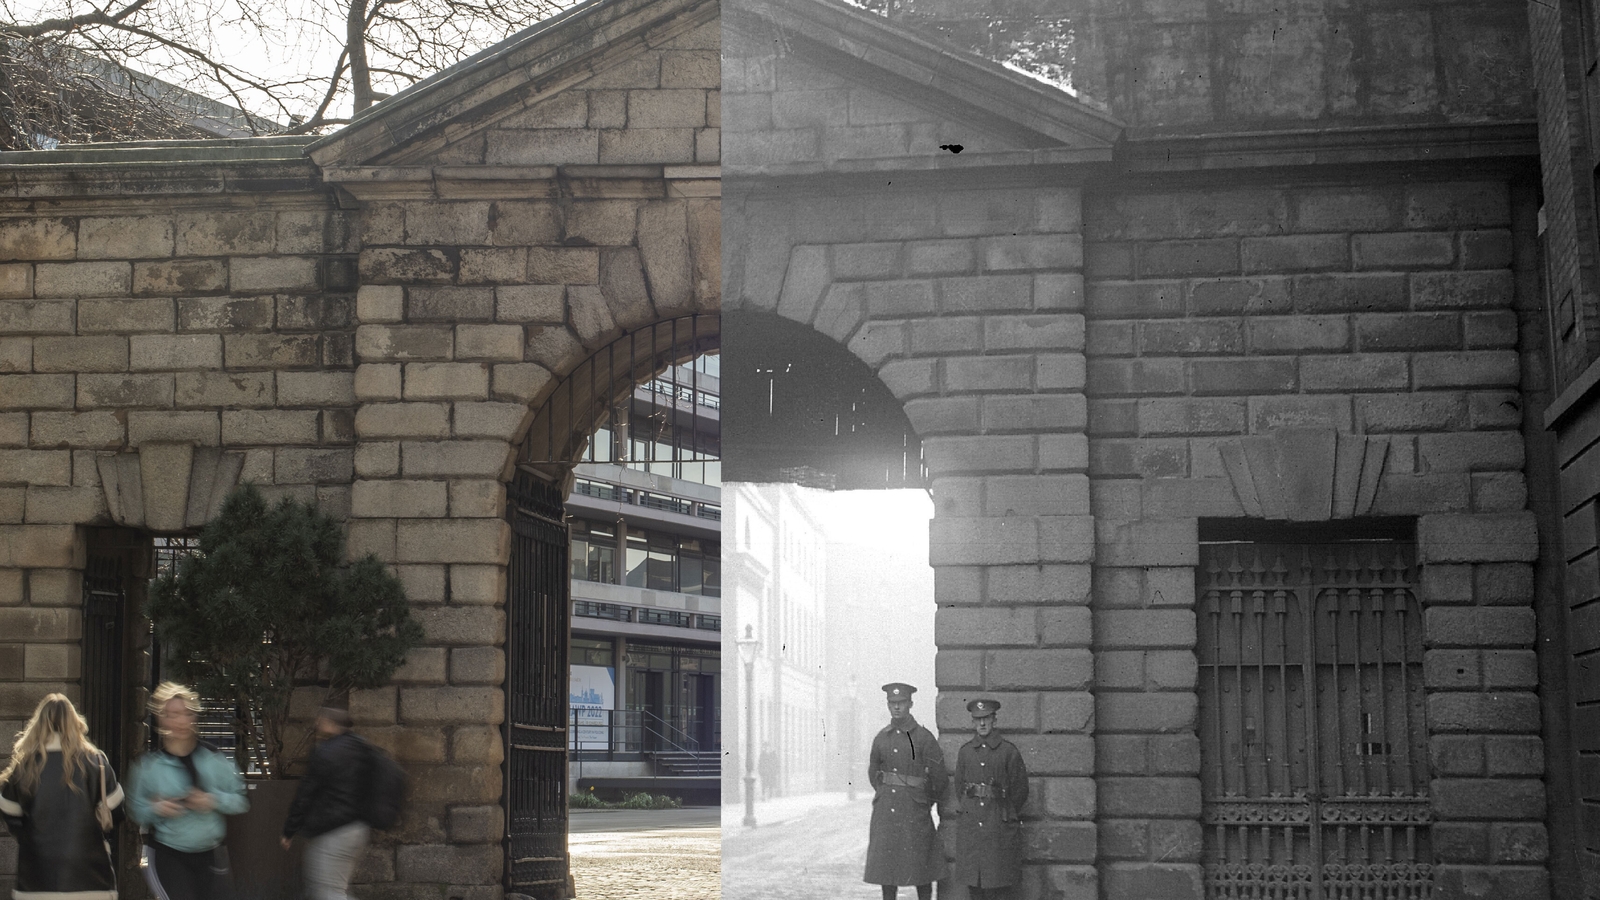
538 620
1315 775
103 602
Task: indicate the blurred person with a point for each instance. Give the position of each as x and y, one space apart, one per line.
768 766
329 806
180 792
907 772
59 798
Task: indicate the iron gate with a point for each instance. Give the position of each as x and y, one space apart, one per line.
1315 776
538 620
103 603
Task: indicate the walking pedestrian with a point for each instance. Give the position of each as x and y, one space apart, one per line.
180 792
59 798
769 772
908 775
329 805
991 785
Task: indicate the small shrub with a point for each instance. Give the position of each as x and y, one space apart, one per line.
644 800
631 800
586 800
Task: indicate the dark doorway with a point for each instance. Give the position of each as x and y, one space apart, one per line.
699 709
649 692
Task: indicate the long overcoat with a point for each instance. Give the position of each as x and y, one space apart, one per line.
908 775
991 786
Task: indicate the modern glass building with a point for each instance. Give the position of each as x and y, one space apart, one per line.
645 515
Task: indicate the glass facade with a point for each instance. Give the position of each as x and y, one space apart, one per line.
677 688
658 452
662 440
653 560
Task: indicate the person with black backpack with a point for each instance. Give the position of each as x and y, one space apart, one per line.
331 807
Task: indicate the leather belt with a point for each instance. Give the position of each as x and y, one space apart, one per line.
906 780
974 789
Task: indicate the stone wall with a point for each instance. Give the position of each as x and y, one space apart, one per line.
1567 97
1368 309
153 337
1565 132
206 322
1189 66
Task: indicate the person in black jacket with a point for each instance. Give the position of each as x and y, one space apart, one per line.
48 799
328 807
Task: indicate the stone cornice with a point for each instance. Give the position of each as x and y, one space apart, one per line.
244 167
502 182
975 164
1156 151
109 177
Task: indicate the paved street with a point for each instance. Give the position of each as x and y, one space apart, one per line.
803 848
669 854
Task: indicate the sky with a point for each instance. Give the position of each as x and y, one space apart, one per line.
276 40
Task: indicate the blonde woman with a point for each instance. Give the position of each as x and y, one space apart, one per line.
48 798
181 792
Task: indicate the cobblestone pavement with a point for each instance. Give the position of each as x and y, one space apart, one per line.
659 855
803 848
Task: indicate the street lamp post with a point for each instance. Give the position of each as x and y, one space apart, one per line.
747 655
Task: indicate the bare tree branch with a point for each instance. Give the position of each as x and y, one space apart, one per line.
74 23
78 76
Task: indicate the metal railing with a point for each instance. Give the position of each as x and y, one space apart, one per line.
608 734
647 500
645 615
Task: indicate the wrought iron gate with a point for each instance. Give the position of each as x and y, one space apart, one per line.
538 620
1315 776
103 603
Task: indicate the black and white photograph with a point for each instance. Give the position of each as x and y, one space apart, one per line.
1241 348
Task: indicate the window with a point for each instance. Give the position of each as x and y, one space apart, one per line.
587 652
662 562
594 552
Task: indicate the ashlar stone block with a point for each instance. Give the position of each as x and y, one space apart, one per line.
446 381
455 541
403 420
399 499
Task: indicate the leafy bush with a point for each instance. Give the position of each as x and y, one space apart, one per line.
587 800
631 800
643 800
270 602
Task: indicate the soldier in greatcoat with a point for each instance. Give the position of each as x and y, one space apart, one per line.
908 776
991 786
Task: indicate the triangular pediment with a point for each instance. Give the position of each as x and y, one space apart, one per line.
532 81
820 81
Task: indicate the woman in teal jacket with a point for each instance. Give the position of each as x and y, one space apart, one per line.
181 792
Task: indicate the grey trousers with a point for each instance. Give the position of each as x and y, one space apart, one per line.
331 858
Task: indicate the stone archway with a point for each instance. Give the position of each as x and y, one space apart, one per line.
518 215
977 331
538 600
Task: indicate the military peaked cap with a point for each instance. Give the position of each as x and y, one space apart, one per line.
983 706
898 690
